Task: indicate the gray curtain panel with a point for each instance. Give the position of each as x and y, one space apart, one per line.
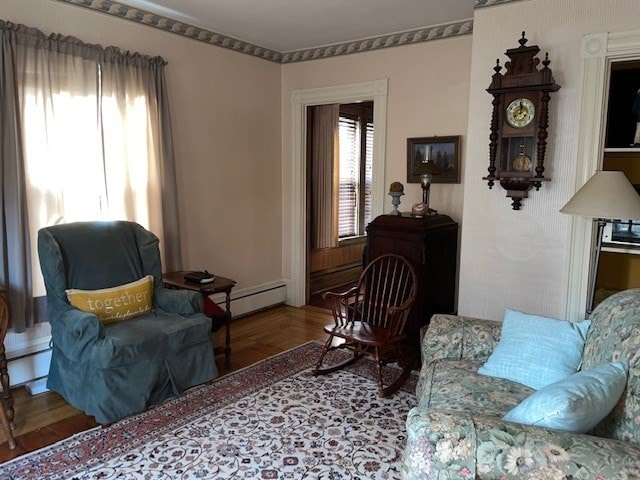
324 176
109 89
15 251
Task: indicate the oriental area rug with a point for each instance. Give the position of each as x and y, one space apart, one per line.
272 420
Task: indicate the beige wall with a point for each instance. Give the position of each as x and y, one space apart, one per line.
428 87
226 125
232 128
520 259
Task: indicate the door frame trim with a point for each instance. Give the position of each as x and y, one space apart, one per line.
598 52
375 91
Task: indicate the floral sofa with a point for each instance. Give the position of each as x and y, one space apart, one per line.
457 431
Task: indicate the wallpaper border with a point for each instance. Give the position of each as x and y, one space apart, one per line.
490 3
384 41
173 26
425 34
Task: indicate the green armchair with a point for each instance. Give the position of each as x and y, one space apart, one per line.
117 369
457 431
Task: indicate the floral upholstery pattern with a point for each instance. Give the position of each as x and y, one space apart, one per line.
455 386
453 445
451 337
614 335
456 431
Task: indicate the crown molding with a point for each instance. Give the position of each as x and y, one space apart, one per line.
375 43
490 3
143 17
173 26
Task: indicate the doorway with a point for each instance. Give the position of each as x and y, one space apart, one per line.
599 52
619 265
374 91
339 173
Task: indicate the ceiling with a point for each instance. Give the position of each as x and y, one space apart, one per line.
294 25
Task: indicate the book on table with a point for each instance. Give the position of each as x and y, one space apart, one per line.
199 277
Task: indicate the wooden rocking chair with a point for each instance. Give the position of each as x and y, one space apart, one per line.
371 319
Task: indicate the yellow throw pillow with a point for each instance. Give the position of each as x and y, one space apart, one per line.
115 303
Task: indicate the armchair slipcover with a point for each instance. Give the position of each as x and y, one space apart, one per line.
114 370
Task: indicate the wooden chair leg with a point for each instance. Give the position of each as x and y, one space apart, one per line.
395 386
7 398
327 347
6 403
379 370
406 362
6 428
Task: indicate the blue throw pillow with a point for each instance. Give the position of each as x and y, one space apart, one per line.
535 350
577 403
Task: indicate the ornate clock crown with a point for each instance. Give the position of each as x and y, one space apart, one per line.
522 68
523 58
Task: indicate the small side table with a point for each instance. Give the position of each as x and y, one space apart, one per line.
6 409
219 284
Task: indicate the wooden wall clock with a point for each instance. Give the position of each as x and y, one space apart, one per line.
519 122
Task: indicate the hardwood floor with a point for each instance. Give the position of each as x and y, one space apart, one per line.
44 419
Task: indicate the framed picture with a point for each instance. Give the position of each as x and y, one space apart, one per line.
443 152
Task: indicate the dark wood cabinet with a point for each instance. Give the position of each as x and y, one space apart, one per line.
431 245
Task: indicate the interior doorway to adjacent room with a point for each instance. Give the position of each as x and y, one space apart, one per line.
339 181
298 230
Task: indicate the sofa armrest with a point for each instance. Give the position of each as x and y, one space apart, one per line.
443 444
181 302
75 331
454 337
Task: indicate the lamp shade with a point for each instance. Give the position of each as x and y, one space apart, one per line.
607 195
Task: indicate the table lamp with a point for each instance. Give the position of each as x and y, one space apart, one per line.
429 169
607 196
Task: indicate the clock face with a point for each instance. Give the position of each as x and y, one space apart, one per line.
520 112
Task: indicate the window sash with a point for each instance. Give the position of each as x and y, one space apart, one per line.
349 177
355 176
88 147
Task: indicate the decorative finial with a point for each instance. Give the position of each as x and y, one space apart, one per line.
497 68
523 40
396 187
546 60
396 190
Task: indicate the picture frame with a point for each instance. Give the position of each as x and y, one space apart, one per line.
444 152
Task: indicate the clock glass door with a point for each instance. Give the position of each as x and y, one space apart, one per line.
518 154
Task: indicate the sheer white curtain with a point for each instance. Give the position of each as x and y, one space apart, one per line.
132 150
91 152
60 141
324 175
89 139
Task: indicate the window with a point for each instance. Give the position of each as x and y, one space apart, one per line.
88 139
356 154
86 152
